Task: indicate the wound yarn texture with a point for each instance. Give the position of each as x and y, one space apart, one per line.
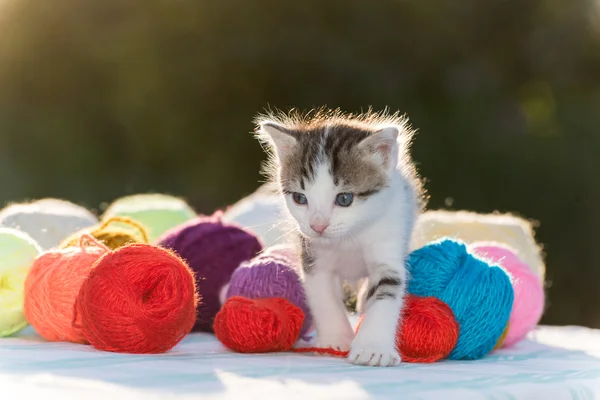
528 305
47 221
52 287
470 227
500 342
428 332
109 233
137 299
213 249
480 295
261 213
18 252
270 275
258 325
156 212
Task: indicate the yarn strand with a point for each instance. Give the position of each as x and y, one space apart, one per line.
126 221
86 239
428 331
321 350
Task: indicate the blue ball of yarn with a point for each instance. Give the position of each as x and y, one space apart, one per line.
479 294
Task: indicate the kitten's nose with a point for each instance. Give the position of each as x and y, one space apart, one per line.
319 228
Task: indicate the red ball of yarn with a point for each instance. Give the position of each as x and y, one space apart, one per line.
429 331
137 299
258 325
52 287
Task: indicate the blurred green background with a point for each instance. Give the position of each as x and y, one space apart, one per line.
100 99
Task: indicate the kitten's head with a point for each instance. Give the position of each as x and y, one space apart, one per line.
334 169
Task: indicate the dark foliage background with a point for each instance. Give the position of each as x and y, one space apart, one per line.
99 99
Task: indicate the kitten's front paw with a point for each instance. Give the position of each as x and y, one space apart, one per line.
370 352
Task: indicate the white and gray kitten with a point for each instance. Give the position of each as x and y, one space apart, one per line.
353 193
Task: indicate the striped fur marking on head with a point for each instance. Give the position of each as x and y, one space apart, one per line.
315 159
298 143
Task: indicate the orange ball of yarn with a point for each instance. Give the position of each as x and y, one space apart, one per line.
137 299
502 338
258 325
428 332
52 287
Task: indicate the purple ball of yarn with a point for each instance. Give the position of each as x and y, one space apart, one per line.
213 249
286 251
270 275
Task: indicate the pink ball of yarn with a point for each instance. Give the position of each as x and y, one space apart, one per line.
528 305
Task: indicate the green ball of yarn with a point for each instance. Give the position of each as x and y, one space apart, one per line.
17 253
156 212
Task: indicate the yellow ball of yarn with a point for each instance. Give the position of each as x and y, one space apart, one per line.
17 253
113 232
501 339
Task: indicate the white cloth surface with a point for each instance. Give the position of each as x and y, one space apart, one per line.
554 363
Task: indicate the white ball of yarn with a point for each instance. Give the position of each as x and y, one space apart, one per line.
263 213
471 227
48 221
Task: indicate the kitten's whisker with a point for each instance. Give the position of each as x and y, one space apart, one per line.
288 233
272 226
261 225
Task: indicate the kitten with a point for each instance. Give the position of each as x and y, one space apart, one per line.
353 194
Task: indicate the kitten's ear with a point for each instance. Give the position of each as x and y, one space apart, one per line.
277 137
383 145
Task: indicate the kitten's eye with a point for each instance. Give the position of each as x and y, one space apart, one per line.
344 199
299 198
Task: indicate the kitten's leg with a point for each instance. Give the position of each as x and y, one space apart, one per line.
375 342
361 295
326 304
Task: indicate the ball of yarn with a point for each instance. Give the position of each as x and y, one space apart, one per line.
502 338
52 287
270 275
137 299
480 295
528 305
156 212
470 227
47 221
17 253
258 325
213 249
262 213
286 251
428 331
109 233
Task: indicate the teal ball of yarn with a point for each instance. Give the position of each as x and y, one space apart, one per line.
479 294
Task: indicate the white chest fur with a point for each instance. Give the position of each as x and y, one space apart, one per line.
344 259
